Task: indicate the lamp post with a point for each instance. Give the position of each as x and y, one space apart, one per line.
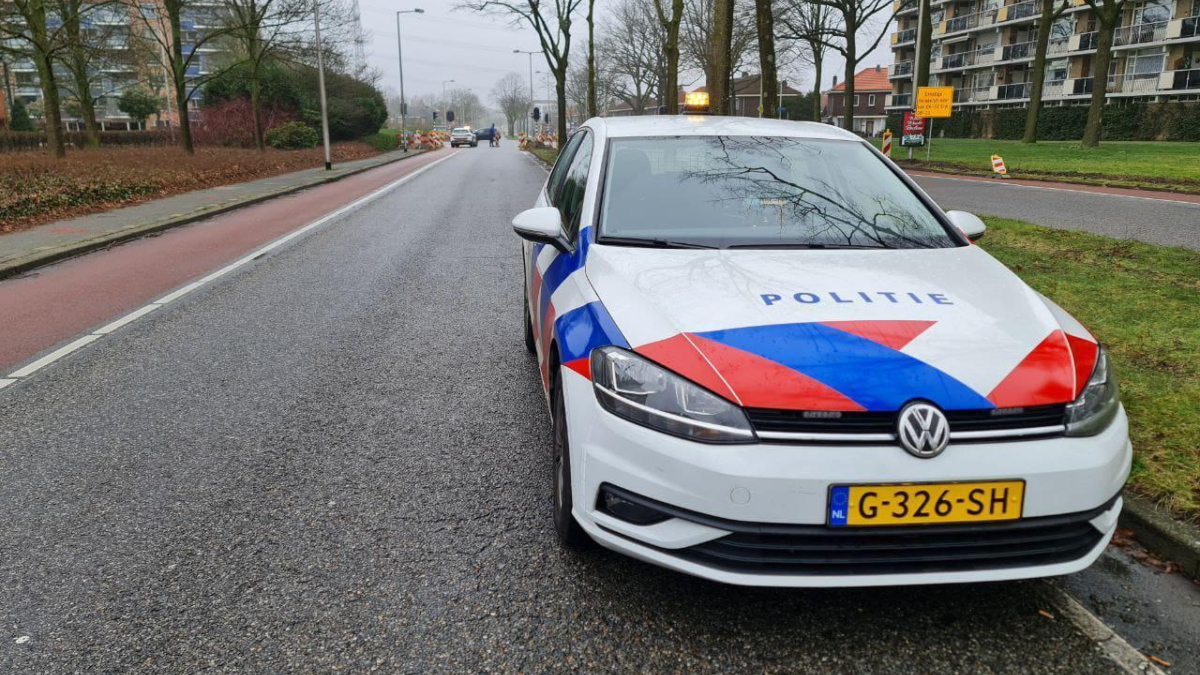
321 83
400 55
519 51
445 104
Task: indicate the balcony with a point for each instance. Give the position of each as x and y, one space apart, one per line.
1084 41
1008 92
1057 46
902 6
1023 50
1054 89
1021 10
979 57
1134 84
899 101
976 95
1140 34
967 22
904 37
1178 80
900 69
1189 27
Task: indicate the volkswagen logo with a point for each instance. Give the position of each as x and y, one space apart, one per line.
923 430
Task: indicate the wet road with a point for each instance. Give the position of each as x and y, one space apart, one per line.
337 457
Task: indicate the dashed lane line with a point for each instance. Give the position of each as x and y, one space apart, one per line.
80 342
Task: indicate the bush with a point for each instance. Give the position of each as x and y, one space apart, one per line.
1184 124
292 136
19 120
382 142
278 87
35 140
230 123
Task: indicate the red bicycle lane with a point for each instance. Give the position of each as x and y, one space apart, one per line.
51 304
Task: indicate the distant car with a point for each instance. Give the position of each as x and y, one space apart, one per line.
770 359
463 136
485 134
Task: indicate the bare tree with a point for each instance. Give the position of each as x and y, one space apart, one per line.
812 25
1046 23
511 93
856 16
704 44
87 50
592 110
632 44
1108 17
552 23
719 74
25 32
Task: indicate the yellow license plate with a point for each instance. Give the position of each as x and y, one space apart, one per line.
925 503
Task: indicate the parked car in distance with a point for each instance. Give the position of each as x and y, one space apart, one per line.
485 134
463 136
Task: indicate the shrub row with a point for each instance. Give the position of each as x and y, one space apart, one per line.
16 141
1138 122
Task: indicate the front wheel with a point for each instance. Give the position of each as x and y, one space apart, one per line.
570 533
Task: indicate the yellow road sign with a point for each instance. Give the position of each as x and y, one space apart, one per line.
934 101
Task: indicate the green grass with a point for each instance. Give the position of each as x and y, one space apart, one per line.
1171 166
1143 302
547 155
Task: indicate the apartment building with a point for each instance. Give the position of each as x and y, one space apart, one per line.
120 60
985 49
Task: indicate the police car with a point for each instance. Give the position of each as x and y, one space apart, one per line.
770 359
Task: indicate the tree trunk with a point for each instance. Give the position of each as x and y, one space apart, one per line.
179 79
560 92
77 64
722 61
1039 72
670 93
592 105
1103 56
817 59
924 47
848 98
50 104
768 83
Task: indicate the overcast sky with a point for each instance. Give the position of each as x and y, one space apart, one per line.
475 50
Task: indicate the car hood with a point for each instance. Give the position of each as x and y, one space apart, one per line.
845 329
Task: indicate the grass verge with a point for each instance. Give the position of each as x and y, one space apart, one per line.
35 188
1147 165
1143 302
547 155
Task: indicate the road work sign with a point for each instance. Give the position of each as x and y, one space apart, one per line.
887 143
998 165
934 102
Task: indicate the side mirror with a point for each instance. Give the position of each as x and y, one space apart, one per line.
969 223
541 225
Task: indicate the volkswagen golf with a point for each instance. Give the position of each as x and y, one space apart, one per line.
770 359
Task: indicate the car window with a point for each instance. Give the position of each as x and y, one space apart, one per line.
560 168
749 191
570 201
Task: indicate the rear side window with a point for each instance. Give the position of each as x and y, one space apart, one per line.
560 168
570 200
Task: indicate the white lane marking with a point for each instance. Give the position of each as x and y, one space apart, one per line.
1055 189
128 318
67 349
1112 645
54 356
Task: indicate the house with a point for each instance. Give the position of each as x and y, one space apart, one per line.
871 88
747 98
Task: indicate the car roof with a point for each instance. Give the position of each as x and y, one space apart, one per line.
715 125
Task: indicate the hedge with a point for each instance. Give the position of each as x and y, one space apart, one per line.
1136 122
17 141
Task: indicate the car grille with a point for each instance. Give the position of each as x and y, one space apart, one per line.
879 427
819 550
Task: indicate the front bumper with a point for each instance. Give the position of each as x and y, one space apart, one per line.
735 502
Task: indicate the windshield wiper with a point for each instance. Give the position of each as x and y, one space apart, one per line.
806 246
649 243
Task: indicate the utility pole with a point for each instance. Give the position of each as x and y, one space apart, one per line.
400 55
528 130
445 104
321 84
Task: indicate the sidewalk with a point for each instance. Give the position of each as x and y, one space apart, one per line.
25 250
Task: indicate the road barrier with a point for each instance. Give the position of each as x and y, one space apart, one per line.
998 166
887 143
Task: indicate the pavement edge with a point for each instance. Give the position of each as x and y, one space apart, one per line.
1107 641
1165 536
21 265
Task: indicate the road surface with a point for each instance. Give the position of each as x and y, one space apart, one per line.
1156 218
336 457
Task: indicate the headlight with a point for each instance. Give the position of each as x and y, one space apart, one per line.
632 387
1098 403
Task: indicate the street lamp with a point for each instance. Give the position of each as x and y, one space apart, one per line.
400 55
519 51
321 83
445 103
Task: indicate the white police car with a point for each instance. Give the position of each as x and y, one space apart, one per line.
771 359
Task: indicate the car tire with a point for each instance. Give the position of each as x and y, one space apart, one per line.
530 343
570 534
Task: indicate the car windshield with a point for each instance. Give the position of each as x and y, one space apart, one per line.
760 192
462 130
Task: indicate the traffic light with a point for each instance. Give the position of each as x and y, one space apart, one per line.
536 114
435 115
547 118
449 116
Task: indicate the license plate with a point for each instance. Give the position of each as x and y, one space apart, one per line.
925 503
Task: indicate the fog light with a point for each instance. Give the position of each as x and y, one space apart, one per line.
629 511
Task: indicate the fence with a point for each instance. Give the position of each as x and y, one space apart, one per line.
18 141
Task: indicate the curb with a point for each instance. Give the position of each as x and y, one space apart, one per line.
1170 539
1062 179
20 265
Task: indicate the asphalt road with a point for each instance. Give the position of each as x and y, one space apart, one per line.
1156 220
337 458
